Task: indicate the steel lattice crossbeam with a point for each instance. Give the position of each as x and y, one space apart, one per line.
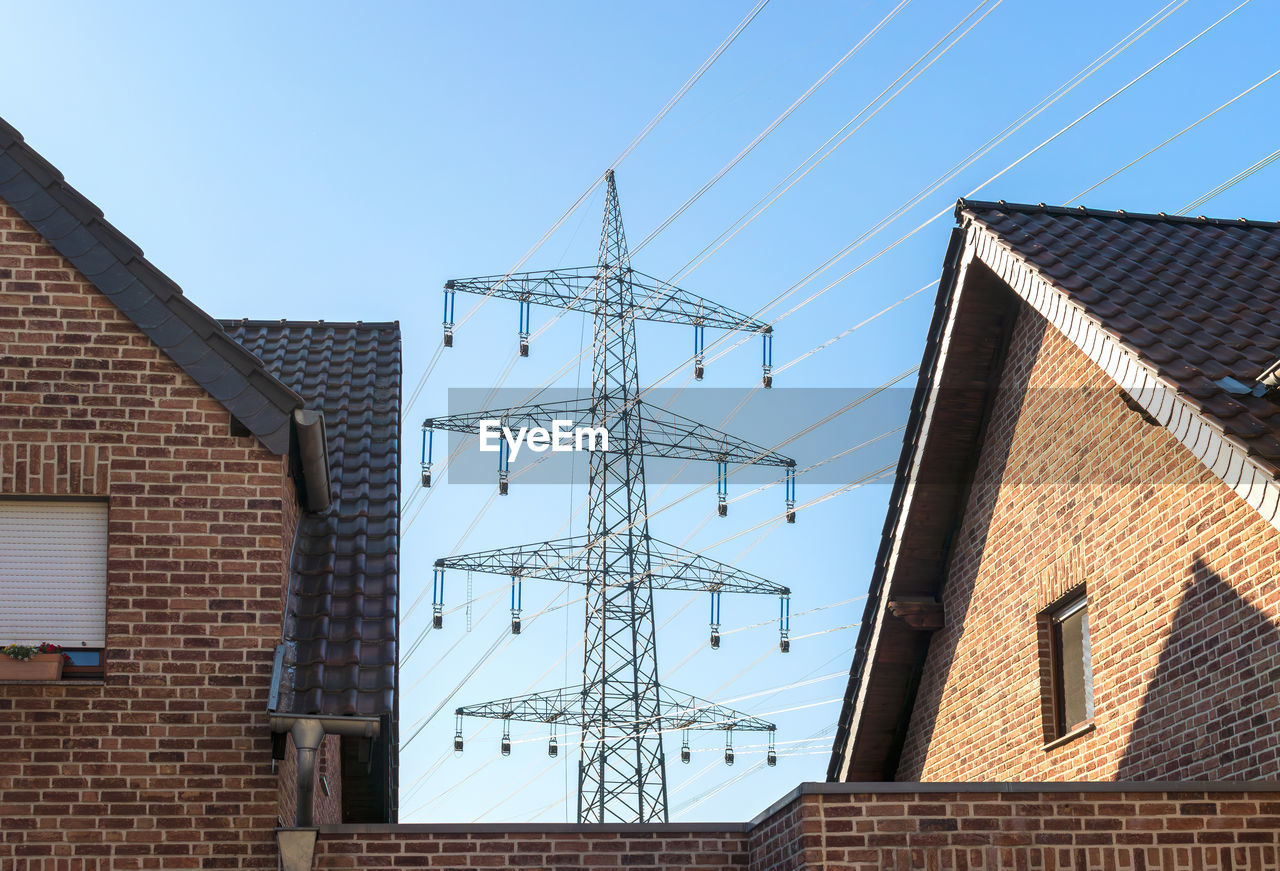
663 434
564 707
566 560
620 706
575 290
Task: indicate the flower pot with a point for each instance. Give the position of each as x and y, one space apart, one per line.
42 666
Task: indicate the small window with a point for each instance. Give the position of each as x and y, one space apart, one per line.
53 578
1072 671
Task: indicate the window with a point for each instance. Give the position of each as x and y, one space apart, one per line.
1072 673
53 578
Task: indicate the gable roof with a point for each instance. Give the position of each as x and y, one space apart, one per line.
341 621
1180 312
105 256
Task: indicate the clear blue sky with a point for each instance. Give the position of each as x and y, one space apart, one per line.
333 161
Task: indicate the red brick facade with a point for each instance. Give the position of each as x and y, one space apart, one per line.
1073 488
868 827
166 763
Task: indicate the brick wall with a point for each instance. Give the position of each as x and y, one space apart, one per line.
671 848
1026 826
166 763
869 827
1074 488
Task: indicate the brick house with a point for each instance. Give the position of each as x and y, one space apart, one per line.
1077 576
206 516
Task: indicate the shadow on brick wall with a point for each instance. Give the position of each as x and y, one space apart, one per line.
1212 710
997 442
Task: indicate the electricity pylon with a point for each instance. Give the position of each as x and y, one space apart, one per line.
620 706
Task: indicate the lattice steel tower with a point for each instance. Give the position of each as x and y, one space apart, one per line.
620 706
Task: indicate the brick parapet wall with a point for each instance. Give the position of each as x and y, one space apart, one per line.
873 826
166 763
670 847
1074 489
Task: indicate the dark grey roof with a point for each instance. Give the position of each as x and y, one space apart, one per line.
342 613
196 342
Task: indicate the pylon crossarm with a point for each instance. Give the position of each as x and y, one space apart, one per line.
673 436
656 300
562 559
683 711
558 288
565 560
573 289
562 706
674 568
541 414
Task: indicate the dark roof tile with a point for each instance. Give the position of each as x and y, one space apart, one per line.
344 591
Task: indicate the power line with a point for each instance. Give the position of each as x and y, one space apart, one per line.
648 128
1189 127
1231 182
1062 91
764 134
791 179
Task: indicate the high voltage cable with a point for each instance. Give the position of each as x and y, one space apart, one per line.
684 89
747 217
959 167
1088 71
1076 80
760 138
753 144
1186 129
764 134
1231 182
648 128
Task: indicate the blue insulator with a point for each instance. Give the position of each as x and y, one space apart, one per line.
450 297
524 328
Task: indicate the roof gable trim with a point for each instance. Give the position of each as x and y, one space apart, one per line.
115 266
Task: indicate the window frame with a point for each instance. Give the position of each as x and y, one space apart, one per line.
1057 731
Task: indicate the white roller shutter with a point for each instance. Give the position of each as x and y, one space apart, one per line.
53 572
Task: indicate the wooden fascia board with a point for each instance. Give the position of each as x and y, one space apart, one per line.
922 443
